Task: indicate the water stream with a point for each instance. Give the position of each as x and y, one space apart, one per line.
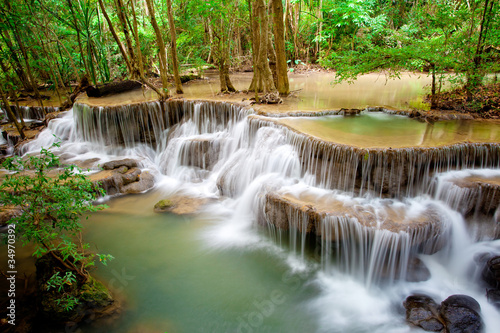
228 269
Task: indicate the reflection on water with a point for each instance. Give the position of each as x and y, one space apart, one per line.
380 130
311 92
315 91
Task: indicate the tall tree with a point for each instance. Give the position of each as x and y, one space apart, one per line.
173 46
262 80
161 46
279 41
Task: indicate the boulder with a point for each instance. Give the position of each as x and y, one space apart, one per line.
127 162
461 314
422 311
456 314
489 264
123 180
350 112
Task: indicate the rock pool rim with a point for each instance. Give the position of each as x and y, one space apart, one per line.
255 112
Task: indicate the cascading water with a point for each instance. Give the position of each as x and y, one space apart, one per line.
354 219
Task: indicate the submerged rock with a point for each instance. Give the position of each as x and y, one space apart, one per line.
180 204
7 213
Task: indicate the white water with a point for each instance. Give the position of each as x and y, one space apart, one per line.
248 161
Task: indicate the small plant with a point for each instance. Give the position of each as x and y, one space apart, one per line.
51 201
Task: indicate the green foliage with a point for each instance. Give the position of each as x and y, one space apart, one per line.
52 201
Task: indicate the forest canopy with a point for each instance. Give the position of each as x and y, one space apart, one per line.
57 42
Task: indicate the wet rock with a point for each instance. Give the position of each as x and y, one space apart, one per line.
417 271
489 265
422 311
307 210
390 179
112 88
478 195
201 153
144 182
461 313
180 204
123 181
491 271
350 112
127 162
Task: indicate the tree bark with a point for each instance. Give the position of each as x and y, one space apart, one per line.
117 39
16 63
475 76
11 114
134 74
75 23
161 46
173 44
283 84
137 43
263 78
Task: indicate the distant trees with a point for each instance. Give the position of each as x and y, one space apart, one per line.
60 41
436 36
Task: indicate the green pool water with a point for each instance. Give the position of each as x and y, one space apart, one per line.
381 130
172 280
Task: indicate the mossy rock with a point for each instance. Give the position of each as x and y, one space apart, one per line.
94 299
163 205
181 204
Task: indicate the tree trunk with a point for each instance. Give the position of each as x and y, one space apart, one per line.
28 68
475 75
134 74
161 46
271 56
11 114
320 28
263 78
254 27
16 63
117 39
279 42
433 87
75 23
137 43
173 44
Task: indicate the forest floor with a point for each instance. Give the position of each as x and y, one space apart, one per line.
484 102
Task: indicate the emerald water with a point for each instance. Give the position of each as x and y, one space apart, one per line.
173 279
381 130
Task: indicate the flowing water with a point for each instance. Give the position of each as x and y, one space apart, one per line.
229 268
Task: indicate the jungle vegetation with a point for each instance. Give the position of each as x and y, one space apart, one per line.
57 42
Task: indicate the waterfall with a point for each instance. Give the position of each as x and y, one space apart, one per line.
366 212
